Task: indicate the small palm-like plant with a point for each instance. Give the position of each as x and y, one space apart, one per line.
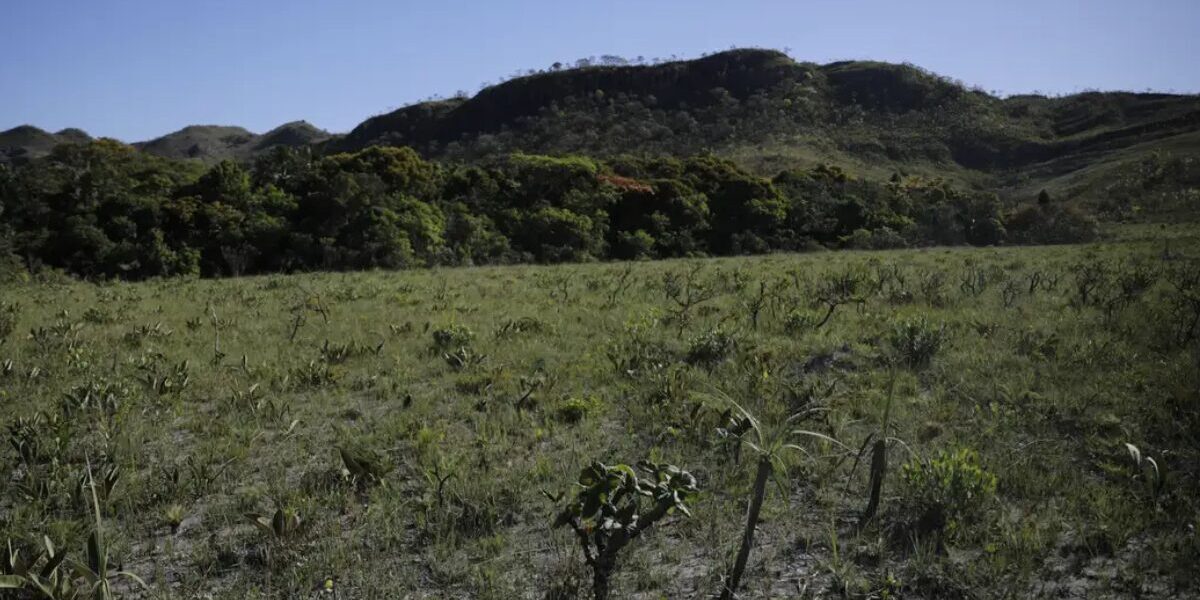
879 462
1147 469
95 572
173 515
50 580
770 442
18 570
280 527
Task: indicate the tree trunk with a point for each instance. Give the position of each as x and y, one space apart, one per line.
600 573
756 501
878 470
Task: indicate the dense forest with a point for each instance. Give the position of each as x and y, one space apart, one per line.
104 209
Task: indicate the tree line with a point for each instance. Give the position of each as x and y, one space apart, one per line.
105 210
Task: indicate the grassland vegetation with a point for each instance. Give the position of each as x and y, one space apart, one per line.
1021 420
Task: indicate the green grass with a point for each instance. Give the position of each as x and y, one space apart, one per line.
219 399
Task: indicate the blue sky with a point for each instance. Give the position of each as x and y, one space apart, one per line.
136 69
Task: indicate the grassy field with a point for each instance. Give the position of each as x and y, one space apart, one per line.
411 434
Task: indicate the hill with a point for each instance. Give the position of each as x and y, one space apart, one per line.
771 112
212 143
26 142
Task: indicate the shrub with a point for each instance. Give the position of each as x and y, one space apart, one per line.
916 341
710 347
451 337
884 238
12 269
519 326
8 319
800 320
633 245
613 506
636 353
945 492
575 408
1051 224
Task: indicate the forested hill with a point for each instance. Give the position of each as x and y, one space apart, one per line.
770 112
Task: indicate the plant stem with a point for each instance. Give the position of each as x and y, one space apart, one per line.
756 501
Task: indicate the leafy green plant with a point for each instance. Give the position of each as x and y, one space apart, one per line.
95 572
710 348
135 337
102 397
173 515
614 506
103 487
165 380
1184 302
336 354
280 527
463 358
451 337
916 341
9 313
634 352
574 408
42 438
799 320
362 465
1089 279
944 492
521 326
1037 344
932 285
202 474
50 580
313 375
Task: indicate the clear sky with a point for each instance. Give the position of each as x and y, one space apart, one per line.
136 69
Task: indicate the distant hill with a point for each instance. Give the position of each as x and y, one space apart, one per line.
212 143
205 143
27 142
